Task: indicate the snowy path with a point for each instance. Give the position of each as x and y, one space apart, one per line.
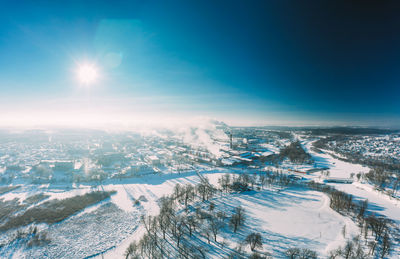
378 202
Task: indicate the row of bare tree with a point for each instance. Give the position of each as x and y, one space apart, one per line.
185 216
382 229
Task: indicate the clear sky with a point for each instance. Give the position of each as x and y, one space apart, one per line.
243 62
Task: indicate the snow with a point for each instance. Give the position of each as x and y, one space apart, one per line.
267 153
337 168
88 234
122 198
14 195
271 148
291 218
379 203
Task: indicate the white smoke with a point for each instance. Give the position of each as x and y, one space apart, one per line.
204 133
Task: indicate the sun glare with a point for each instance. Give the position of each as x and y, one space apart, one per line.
87 74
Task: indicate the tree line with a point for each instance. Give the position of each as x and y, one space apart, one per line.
383 230
189 215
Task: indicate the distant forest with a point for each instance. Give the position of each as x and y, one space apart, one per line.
351 131
294 152
334 130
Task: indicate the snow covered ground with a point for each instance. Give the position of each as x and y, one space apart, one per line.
337 168
288 218
88 232
378 202
293 217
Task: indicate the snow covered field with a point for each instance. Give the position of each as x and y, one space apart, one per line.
286 218
379 202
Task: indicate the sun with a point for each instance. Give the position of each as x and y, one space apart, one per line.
87 73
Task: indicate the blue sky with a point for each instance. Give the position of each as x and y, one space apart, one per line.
245 62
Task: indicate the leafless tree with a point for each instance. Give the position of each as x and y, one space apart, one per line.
292 253
378 225
191 224
215 225
362 210
386 245
307 254
225 182
237 219
131 251
254 240
188 193
180 231
348 249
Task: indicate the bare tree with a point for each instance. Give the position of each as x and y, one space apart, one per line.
263 180
386 245
191 224
335 253
150 224
202 190
163 221
237 218
178 192
188 193
372 246
378 225
344 231
215 226
292 253
348 249
205 189
207 233
147 247
180 231
254 240
131 251
256 255
395 186
307 254
167 212
225 182
363 209
297 253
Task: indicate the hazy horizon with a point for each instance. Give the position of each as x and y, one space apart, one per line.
247 64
